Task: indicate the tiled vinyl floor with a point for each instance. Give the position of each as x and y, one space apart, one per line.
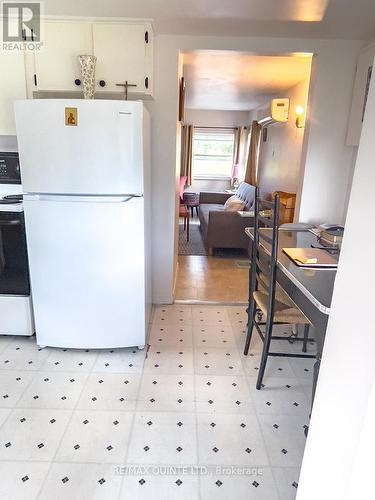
180 420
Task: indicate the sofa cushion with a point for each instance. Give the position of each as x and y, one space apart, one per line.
233 204
246 192
223 229
204 210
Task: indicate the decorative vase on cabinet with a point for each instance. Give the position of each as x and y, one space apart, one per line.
87 63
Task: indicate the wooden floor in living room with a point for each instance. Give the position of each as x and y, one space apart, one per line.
211 279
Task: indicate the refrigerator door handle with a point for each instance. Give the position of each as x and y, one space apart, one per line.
131 196
81 198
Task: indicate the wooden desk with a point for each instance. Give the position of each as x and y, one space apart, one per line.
310 289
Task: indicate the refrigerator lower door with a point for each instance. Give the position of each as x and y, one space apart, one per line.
87 270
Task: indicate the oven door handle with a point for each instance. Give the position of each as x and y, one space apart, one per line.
12 222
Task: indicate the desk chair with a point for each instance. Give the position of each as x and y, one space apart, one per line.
268 303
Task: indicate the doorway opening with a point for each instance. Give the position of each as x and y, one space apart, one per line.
222 95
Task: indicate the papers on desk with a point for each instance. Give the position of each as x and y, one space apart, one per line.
311 257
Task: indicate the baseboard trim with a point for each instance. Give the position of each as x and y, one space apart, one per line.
210 302
161 301
175 280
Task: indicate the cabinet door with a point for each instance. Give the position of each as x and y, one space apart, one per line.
359 99
121 52
57 66
12 87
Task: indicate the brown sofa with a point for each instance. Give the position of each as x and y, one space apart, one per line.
221 228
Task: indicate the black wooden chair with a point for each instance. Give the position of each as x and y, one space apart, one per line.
268 302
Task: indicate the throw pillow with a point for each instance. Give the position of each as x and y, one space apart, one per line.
234 204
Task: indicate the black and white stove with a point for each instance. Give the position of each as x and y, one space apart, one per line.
10 202
16 316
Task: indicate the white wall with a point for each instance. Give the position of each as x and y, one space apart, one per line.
328 161
214 118
281 155
339 455
8 143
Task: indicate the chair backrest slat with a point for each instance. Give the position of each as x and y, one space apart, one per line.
265 203
263 267
265 237
266 221
264 263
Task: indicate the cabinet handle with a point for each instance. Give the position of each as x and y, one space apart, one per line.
77 81
102 83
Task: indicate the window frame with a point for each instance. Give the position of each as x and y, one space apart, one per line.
215 176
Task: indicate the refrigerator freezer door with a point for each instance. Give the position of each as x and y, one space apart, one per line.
101 152
87 271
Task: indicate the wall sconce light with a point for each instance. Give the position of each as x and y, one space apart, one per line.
300 116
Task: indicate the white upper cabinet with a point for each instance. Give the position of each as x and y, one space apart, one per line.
56 65
12 87
124 54
123 50
359 99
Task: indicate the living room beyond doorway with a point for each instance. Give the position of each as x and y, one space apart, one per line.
213 248
228 101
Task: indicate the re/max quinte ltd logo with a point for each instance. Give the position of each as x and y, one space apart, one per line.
21 26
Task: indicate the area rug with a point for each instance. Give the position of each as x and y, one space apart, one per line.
195 245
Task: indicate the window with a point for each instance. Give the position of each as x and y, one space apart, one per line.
213 151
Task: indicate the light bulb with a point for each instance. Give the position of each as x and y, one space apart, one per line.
299 110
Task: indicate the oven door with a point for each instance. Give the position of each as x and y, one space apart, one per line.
14 273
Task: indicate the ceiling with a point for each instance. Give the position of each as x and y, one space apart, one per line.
238 81
345 19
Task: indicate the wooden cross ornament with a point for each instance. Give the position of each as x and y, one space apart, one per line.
126 85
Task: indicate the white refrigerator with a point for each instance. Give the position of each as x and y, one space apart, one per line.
85 170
